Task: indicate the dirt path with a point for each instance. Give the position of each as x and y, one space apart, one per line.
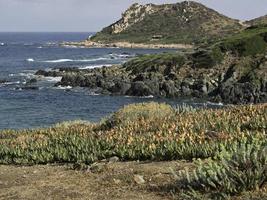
107 182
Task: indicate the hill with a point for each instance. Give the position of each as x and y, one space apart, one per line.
181 23
257 21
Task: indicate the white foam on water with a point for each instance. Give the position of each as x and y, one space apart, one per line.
121 56
53 79
63 87
147 97
93 94
78 60
215 104
208 103
30 59
25 74
11 83
141 97
95 66
58 61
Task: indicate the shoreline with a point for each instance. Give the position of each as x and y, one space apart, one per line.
91 44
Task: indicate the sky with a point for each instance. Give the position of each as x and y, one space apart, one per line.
93 15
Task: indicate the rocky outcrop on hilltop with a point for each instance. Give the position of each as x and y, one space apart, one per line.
131 16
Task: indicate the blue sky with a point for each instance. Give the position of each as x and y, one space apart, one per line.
92 15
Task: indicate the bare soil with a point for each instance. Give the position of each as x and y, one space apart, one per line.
109 181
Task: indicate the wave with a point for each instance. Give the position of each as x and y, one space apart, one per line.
147 97
10 83
28 74
121 56
208 104
29 44
214 104
93 94
63 87
30 59
25 74
141 97
53 79
95 66
78 60
58 61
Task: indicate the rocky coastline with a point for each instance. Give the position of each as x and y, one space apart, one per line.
232 71
91 44
224 83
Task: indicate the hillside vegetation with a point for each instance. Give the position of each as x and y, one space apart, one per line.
187 22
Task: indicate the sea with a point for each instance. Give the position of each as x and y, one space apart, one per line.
22 54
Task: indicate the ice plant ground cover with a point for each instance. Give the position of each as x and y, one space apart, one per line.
228 145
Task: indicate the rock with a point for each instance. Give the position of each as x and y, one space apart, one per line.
113 159
139 179
200 88
3 81
28 88
117 181
139 88
241 93
48 73
97 167
185 88
71 80
31 81
120 88
80 166
170 89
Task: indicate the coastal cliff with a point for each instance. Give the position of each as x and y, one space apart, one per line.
232 70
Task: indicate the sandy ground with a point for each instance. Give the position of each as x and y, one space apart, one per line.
110 181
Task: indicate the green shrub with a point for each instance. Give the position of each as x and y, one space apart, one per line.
249 42
153 62
142 111
207 58
246 46
238 168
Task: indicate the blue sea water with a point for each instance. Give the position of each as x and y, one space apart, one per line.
22 54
